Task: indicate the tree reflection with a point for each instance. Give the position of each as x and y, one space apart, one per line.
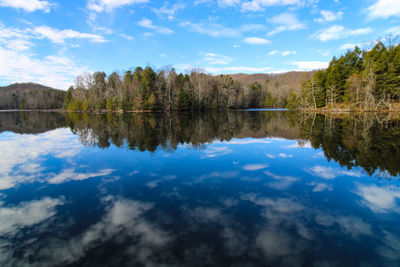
369 140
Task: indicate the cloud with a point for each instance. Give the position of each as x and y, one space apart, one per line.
254 167
148 24
220 31
127 37
27 214
70 174
284 155
250 141
59 36
329 16
349 224
384 9
25 152
337 32
27 5
211 29
123 221
284 53
256 41
213 152
54 70
260 5
380 199
168 12
286 22
110 5
288 53
215 59
329 173
283 181
310 65
228 3
319 187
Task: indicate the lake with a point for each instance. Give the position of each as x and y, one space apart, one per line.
235 188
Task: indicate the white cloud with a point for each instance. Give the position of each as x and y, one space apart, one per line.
260 5
54 70
249 141
283 181
148 24
380 199
284 53
215 59
210 29
319 187
127 37
256 41
284 155
384 9
219 30
27 214
168 12
59 36
288 53
286 22
337 32
310 65
110 5
329 16
70 174
217 151
124 220
24 153
228 3
254 167
27 5
329 173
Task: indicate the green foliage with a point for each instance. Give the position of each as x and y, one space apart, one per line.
361 78
293 102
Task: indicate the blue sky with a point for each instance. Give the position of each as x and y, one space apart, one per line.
53 41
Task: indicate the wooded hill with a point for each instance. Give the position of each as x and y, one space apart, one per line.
358 80
146 89
30 96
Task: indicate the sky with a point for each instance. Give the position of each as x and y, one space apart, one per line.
52 41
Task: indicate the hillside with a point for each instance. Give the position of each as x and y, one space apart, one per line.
30 96
279 85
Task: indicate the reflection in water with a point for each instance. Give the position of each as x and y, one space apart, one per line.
228 188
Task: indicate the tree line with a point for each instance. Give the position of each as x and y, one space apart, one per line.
147 89
360 79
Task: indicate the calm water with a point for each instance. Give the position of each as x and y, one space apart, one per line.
215 189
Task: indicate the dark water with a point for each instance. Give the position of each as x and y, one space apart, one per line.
241 188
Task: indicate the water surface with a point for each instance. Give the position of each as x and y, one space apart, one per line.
230 188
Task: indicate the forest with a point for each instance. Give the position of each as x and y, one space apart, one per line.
358 80
147 89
